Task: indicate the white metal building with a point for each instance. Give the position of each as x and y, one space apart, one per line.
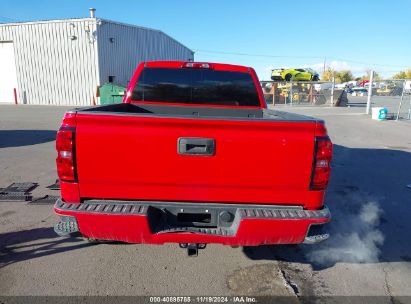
62 62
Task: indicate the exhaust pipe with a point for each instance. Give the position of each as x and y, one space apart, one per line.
316 234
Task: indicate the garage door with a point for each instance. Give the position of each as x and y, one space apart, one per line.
8 78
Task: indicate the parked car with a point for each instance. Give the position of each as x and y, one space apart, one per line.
294 74
363 83
359 91
183 160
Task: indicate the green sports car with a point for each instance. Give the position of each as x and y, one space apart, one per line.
295 75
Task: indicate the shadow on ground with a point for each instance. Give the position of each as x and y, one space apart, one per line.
19 138
28 244
371 210
38 242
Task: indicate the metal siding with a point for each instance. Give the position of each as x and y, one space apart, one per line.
131 46
51 68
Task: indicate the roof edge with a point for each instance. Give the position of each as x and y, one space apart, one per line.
48 21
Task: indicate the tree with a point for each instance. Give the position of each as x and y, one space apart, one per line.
328 74
344 76
340 76
403 74
367 76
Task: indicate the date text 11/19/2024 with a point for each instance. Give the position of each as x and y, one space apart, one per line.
203 299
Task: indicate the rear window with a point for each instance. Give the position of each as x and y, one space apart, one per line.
196 86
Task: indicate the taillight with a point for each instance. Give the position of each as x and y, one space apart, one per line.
197 65
322 163
65 142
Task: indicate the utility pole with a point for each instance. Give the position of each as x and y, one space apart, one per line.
332 91
369 92
402 98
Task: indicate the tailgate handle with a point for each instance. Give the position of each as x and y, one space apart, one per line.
196 146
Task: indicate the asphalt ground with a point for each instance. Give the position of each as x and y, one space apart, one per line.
368 253
393 104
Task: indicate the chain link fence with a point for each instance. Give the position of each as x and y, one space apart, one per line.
393 94
316 93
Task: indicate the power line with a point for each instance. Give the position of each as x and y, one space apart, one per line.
256 55
367 64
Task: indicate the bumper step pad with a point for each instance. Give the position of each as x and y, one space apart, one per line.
103 208
115 207
67 226
137 208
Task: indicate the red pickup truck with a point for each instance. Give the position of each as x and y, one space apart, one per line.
193 156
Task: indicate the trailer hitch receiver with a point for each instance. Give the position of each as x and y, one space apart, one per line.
192 248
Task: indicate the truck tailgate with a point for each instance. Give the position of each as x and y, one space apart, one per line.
136 157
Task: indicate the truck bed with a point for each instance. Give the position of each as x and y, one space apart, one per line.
207 112
130 152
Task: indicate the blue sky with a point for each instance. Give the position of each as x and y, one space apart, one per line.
357 35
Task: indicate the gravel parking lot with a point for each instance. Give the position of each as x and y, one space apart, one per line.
369 252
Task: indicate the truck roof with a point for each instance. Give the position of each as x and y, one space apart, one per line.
213 65
181 66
